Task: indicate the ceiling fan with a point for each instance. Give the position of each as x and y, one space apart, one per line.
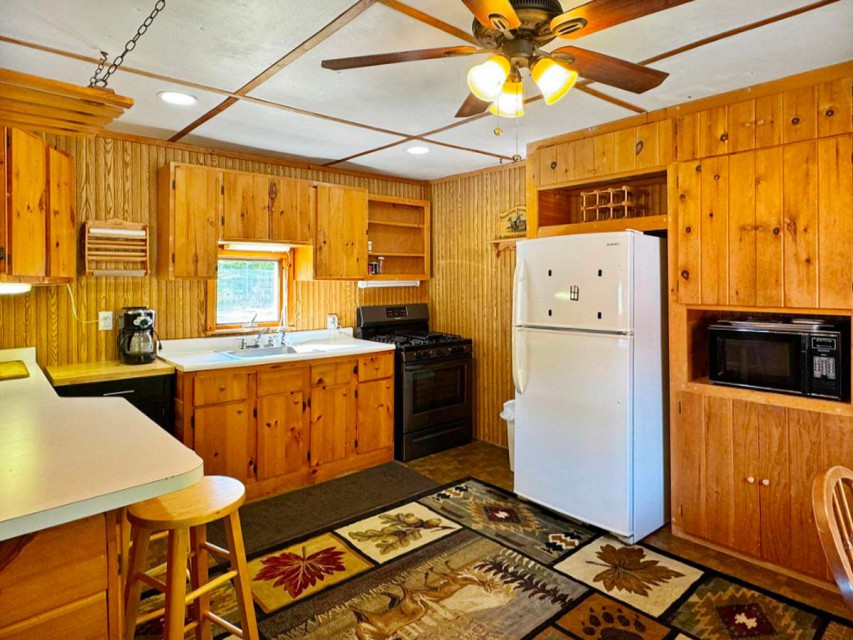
514 32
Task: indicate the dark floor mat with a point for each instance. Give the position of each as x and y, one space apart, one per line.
293 514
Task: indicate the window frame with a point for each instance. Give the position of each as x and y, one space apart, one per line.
285 295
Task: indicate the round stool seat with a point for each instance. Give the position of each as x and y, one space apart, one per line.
212 498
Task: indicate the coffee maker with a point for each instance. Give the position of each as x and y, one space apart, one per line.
136 336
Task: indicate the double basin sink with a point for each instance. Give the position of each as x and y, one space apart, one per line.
267 352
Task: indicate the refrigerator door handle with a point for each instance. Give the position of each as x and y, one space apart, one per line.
519 361
519 291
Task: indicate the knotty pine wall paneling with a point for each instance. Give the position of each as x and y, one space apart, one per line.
471 287
117 178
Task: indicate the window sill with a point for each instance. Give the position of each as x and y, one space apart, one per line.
240 331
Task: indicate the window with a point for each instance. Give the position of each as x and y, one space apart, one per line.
248 286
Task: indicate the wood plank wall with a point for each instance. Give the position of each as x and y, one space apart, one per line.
471 287
117 178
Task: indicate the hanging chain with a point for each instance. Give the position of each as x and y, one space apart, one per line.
98 80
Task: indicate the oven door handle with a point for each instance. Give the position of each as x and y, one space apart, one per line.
519 360
414 367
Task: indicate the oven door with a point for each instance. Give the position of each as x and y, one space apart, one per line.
758 359
435 393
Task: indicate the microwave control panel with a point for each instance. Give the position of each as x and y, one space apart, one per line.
824 357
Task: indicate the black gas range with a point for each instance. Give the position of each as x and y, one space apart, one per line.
433 383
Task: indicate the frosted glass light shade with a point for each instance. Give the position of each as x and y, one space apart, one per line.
553 79
510 103
486 80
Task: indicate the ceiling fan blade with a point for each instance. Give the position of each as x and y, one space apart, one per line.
471 107
494 14
601 14
608 70
339 64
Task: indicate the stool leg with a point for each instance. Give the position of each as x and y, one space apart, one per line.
132 586
199 576
234 536
176 584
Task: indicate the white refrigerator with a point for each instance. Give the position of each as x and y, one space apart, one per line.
588 366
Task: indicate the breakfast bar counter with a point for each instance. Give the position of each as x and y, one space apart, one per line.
64 459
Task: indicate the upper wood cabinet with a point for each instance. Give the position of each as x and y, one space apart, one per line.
340 233
767 228
190 220
246 206
632 149
38 226
797 115
291 203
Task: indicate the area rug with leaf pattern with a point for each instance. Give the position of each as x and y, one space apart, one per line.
470 561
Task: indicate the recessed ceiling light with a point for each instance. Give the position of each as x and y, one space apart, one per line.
418 151
178 98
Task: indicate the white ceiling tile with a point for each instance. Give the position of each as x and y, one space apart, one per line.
577 110
250 125
409 97
822 39
148 116
438 163
221 43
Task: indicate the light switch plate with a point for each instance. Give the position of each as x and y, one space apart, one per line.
105 320
332 322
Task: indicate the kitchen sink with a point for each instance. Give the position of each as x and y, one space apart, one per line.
261 352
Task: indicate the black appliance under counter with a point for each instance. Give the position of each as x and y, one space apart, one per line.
153 395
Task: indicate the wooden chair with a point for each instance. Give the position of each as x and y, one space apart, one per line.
832 500
184 515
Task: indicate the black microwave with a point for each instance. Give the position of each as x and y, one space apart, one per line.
804 357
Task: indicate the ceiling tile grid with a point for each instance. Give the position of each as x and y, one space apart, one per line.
222 44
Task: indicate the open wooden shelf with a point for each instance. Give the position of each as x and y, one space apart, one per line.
646 223
704 386
405 225
504 244
395 255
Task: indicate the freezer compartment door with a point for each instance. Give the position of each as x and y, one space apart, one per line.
573 426
582 282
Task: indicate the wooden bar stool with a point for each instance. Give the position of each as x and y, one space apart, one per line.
184 515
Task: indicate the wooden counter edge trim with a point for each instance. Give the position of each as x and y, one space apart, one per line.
64 375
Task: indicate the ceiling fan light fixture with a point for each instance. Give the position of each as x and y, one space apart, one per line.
510 103
553 79
486 80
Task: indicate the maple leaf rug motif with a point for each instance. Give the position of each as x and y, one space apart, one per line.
297 571
635 575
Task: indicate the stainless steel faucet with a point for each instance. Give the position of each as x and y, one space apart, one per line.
260 335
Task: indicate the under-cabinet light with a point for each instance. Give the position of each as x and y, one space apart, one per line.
14 288
259 247
377 284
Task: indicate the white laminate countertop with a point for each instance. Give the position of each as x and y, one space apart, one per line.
62 459
202 354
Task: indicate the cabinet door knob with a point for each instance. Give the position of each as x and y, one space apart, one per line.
765 482
751 480
554 164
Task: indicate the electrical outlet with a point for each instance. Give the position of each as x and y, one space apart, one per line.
105 320
332 322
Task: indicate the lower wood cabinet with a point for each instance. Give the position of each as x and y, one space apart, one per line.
743 471
281 426
61 582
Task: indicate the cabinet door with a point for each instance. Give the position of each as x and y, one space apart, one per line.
62 219
291 210
282 434
224 440
197 208
340 250
375 415
247 206
687 450
688 218
800 211
774 485
333 423
835 233
27 198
